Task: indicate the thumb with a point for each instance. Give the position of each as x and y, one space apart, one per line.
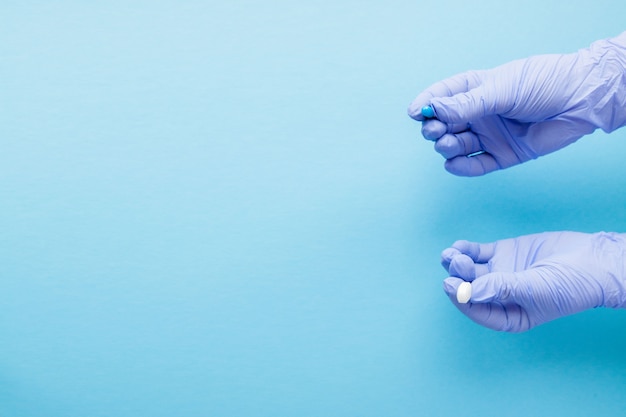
465 107
495 287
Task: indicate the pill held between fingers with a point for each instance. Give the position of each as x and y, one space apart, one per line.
428 112
464 292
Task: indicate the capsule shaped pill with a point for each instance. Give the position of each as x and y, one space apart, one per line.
464 292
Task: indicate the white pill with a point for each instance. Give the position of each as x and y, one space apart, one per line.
464 292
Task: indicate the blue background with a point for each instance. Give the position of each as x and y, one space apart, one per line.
222 209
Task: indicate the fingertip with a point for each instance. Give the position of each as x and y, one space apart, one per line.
447 255
459 144
471 249
433 129
478 252
415 114
448 146
457 166
462 266
415 108
450 286
472 166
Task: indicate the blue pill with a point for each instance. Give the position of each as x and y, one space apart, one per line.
428 112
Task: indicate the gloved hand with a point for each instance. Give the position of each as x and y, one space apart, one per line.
526 108
520 283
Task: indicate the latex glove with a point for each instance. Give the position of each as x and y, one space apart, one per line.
520 283
526 108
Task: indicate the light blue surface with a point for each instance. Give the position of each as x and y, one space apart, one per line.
222 209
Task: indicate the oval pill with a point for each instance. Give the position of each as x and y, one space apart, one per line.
464 292
428 112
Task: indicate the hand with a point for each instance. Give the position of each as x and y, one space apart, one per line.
526 108
520 283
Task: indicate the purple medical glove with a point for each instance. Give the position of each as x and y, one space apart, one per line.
520 283
526 108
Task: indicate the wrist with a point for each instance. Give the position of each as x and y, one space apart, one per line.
610 249
606 98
